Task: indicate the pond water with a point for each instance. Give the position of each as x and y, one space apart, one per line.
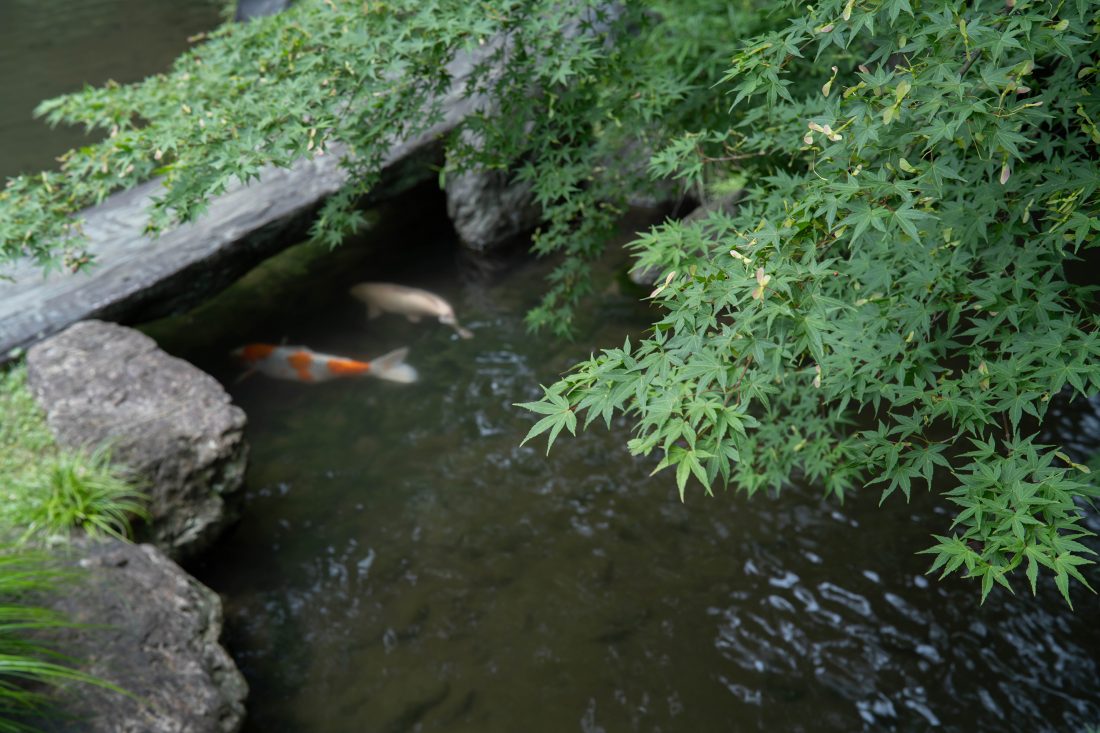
404 565
52 47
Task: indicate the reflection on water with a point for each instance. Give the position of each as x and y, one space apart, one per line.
404 565
52 47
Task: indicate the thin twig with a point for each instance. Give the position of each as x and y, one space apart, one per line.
737 388
741 156
970 61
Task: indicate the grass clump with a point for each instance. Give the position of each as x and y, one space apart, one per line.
47 492
25 439
82 490
29 668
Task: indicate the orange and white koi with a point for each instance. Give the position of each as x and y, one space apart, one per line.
413 303
300 364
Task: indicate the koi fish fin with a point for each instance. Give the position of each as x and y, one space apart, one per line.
373 311
413 318
244 375
463 332
392 367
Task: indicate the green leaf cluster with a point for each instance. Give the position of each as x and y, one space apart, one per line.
896 301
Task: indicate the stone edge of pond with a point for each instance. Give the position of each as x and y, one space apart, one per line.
171 425
151 628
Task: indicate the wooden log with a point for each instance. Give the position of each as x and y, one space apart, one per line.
139 278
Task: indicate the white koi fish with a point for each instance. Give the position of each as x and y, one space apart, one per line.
300 364
413 303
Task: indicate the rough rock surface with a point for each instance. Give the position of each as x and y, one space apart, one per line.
172 424
249 9
488 209
154 632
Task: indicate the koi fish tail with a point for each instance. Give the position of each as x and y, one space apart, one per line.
393 368
463 332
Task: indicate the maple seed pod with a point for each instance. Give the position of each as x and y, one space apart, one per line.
762 281
828 87
738 256
668 279
984 371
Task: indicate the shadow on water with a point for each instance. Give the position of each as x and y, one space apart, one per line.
404 565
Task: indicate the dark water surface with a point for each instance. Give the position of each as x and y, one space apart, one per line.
403 565
52 47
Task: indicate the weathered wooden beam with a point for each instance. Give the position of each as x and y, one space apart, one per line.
136 277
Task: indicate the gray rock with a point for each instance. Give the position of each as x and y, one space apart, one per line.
153 631
631 165
249 9
488 208
172 424
724 204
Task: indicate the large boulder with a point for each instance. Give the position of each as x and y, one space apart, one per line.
153 631
173 425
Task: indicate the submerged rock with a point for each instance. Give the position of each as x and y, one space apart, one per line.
153 631
172 424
